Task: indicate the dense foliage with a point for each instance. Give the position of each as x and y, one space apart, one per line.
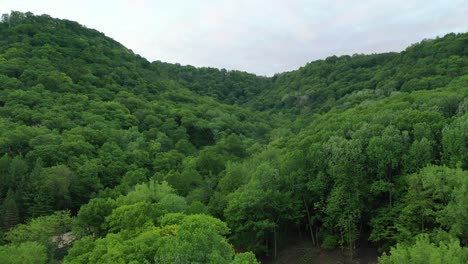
108 158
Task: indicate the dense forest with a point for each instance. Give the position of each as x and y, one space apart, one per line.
106 157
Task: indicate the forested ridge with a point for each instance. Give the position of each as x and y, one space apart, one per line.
106 157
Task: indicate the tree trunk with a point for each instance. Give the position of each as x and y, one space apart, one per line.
390 197
316 236
308 220
275 246
350 243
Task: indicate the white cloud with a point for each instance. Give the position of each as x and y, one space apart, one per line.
263 37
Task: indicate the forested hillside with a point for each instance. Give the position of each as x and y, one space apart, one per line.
108 158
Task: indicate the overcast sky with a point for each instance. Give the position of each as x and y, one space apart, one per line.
263 37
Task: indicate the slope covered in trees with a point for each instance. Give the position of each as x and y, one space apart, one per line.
106 157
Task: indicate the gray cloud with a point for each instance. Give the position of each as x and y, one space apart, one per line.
264 37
